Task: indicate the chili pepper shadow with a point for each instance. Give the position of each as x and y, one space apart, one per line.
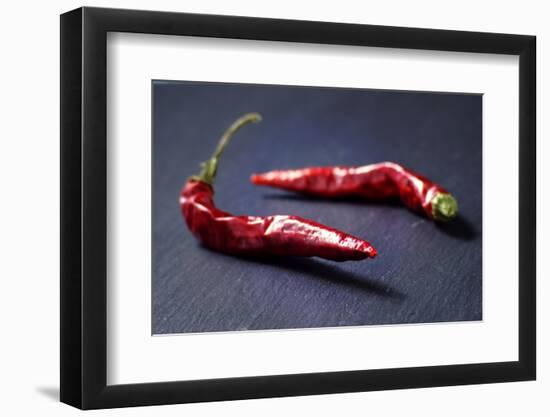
392 202
323 271
458 227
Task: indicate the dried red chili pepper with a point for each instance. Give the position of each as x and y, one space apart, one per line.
256 236
374 182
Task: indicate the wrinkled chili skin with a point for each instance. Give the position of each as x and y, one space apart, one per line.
260 236
374 182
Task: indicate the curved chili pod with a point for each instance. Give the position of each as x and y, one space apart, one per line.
259 236
374 182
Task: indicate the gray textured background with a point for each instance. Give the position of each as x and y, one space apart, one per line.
424 272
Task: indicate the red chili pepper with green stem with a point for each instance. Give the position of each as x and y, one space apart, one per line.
277 235
372 182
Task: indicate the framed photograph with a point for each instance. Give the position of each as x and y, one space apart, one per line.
257 208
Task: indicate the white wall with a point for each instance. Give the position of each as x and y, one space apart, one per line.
29 176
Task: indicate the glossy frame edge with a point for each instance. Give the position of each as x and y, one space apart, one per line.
83 289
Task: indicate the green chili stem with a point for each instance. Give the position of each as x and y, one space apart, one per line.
444 207
210 167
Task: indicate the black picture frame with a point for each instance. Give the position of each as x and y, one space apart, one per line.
84 209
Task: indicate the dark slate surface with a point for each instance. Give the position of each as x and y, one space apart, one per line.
424 272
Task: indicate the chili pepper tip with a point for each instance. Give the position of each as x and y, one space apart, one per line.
444 207
257 179
371 251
